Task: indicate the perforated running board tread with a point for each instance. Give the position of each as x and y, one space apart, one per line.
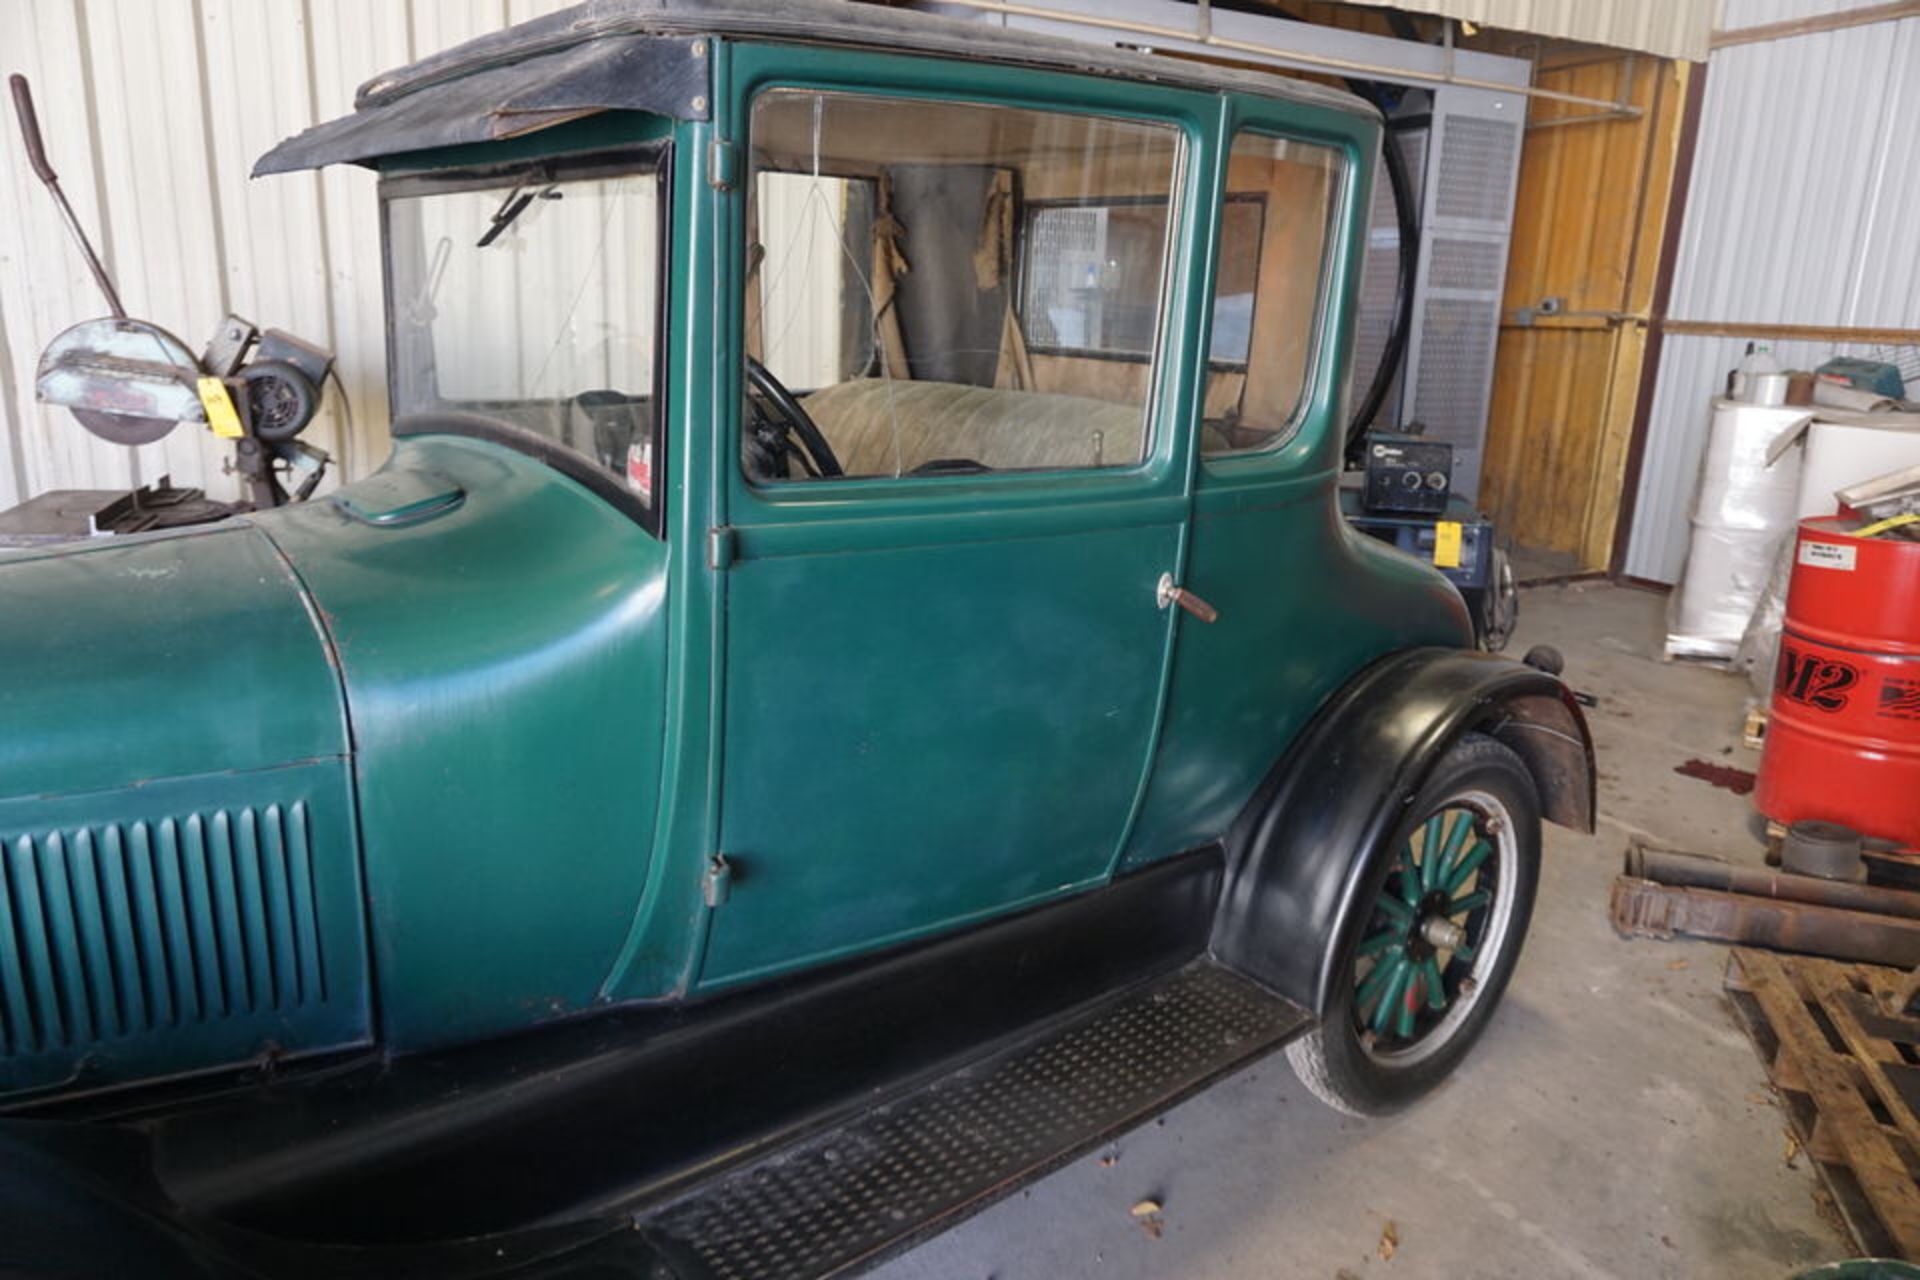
841 1201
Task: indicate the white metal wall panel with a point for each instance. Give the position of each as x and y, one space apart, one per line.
154 111
1670 28
1735 14
1806 184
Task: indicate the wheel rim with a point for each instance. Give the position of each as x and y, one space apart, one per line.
1439 928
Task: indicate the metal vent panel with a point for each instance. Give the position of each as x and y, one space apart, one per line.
1472 168
145 945
125 929
1454 378
1475 173
1475 265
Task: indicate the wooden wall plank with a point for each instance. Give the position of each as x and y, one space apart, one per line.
1587 221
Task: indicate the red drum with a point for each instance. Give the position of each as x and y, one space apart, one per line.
1843 737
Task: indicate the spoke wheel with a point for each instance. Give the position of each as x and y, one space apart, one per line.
1446 907
1448 899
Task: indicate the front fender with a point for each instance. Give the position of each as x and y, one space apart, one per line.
1300 857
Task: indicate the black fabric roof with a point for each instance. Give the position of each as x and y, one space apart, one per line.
643 55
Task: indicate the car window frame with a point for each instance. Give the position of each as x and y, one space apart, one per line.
1162 436
1321 336
471 418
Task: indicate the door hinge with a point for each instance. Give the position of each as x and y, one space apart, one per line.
723 165
717 883
722 542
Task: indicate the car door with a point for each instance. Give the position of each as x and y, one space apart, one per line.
1303 601
944 667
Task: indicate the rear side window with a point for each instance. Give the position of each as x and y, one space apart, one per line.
942 288
1269 290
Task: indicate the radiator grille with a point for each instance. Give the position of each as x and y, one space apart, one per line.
124 929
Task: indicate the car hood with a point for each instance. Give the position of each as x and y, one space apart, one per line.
159 656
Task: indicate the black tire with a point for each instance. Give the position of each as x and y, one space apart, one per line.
1350 1069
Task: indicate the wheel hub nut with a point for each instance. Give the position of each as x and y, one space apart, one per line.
1442 934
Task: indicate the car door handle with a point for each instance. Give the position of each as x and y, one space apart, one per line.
1171 592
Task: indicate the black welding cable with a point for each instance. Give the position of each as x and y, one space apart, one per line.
1395 348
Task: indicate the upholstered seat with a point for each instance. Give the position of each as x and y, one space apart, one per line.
882 427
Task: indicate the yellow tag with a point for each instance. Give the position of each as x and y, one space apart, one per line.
1446 544
1891 522
222 418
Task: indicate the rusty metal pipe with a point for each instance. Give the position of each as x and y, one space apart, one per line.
1647 909
1690 870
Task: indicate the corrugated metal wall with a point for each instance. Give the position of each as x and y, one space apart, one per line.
154 111
1670 28
1804 199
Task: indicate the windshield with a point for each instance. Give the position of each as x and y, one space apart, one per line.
531 296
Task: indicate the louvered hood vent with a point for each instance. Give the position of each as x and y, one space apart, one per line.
177 939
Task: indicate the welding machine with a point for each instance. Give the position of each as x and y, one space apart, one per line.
1408 474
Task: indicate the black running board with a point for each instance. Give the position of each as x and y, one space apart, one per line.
844 1199
808 1128
835 1201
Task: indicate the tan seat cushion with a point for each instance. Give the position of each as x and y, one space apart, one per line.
868 419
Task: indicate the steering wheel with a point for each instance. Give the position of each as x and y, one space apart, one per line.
613 417
775 421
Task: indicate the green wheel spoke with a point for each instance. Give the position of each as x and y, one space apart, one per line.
1478 898
1409 875
1436 986
1394 996
1371 985
1439 868
1399 910
1464 951
1378 942
1429 847
1468 865
1403 1011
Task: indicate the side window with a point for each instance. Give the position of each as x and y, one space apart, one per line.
941 288
1269 288
531 295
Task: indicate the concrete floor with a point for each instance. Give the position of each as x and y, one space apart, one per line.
1614 1122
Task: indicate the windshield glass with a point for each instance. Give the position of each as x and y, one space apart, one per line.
531 297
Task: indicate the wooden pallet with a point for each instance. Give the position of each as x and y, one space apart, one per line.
1846 1062
1754 732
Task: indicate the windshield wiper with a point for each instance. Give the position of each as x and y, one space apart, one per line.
511 208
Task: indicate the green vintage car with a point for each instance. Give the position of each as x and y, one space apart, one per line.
851 687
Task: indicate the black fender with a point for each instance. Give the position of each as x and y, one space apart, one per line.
1300 858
